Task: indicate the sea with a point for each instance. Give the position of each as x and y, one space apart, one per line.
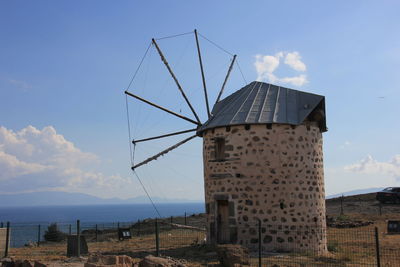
28 224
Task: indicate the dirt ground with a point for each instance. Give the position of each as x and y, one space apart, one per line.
347 246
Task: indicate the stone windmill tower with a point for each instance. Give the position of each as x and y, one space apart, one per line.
263 164
263 160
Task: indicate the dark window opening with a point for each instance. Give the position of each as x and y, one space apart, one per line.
247 127
269 125
228 128
219 148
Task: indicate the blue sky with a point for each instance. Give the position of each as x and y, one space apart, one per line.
65 64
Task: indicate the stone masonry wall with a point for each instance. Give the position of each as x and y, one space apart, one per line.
270 173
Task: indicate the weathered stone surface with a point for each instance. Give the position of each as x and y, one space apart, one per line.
72 248
39 264
277 178
233 255
109 260
152 261
24 263
7 262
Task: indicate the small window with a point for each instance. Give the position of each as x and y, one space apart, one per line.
219 148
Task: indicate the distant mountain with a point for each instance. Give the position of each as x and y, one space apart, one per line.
356 192
65 198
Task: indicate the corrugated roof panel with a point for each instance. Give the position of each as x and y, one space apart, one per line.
292 106
280 106
241 114
260 102
267 114
255 109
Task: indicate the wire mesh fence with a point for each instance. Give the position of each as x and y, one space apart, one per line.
267 245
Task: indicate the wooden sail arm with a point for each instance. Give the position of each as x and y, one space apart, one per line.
175 79
202 73
162 108
163 152
162 136
226 79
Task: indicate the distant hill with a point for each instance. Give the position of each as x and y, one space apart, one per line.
356 192
65 198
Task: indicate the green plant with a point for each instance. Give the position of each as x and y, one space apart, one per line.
342 217
53 234
333 246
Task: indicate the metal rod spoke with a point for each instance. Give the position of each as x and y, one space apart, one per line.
202 73
163 152
226 79
175 79
162 136
162 108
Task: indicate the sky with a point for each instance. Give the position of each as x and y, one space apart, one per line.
64 67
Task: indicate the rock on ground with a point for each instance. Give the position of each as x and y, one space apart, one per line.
109 260
230 255
152 261
20 263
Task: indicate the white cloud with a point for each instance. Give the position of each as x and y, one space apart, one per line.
11 167
371 166
19 84
34 160
294 61
296 80
266 65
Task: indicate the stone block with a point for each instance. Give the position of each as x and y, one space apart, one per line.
152 261
233 255
72 248
39 264
109 260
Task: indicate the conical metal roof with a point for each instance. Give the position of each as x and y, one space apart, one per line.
263 103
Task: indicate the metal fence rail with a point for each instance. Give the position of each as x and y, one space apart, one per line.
363 246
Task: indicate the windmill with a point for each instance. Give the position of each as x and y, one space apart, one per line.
196 120
263 163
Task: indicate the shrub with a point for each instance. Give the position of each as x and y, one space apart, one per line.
53 234
333 246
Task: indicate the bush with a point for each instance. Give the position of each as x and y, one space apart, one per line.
333 246
53 234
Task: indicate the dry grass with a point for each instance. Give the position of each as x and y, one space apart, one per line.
348 247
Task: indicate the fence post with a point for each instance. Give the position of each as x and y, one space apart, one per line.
259 244
96 232
78 235
378 256
138 231
171 220
341 205
380 208
38 236
70 229
157 240
118 225
7 240
185 218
